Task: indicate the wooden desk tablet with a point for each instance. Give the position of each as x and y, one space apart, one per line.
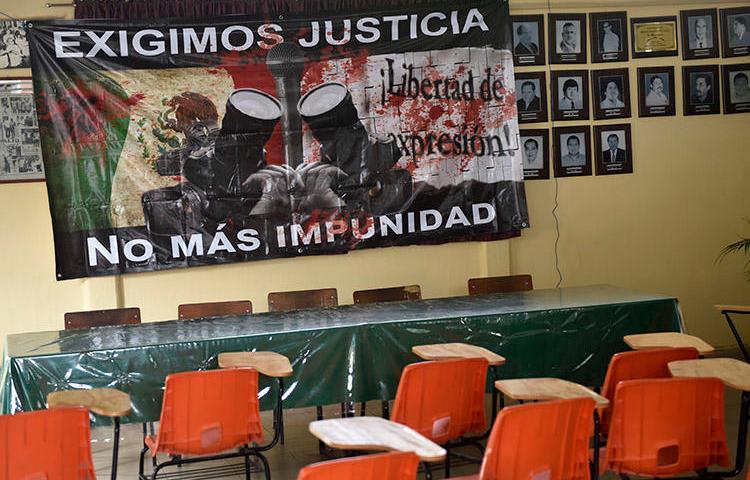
375 433
442 351
270 364
107 402
547 389
667 339
734 373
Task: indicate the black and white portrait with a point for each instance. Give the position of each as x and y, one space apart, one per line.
14 48
572 151
701 89
656 91
613 152
570 95
528 93
735 30
609 37
535 154
739 33
531 97
20 150
611 93
736 88
699 34
528 39
567 38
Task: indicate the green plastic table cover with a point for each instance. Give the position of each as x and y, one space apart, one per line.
347 353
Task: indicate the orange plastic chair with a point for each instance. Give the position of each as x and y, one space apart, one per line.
391 466
639 364
46 445
548 440
442 400
667 426
206 412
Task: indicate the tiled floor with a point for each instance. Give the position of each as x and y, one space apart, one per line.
301 447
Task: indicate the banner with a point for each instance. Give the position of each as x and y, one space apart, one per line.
177 143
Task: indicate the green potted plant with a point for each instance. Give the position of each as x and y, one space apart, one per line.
740 246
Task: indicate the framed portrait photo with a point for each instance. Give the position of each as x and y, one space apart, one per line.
609 37
736 88
531 92
654 36
535 153
656 92
700 34
614 152
14 48
528 39
735 31
611 93
567 37
570 95
572 151
20 150
700 87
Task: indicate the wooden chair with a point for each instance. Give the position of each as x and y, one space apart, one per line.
187 311
390 294
508 284
102 318
302 299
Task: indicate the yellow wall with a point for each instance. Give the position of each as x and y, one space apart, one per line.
657 230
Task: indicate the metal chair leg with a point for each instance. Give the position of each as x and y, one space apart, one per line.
116 448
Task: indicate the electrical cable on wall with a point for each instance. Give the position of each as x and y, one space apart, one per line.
557 185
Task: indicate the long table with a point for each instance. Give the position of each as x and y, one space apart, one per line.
348 353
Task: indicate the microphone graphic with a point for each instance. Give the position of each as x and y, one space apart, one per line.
286 62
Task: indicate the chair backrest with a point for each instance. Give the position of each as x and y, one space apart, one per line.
667 426
214 309
46 444
442 400
102 318
209 411
302 299
507 284
392 466
639 364
546 440
390 294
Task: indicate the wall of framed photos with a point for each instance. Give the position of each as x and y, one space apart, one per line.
658 229
663 182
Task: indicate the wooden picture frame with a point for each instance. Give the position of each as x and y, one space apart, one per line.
538 142
700 33
612 158
564 165
736 79
528 32
701 90
20 148
656 92
654 36
734 21
610 93
535 84
573 106
567 38
609 37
